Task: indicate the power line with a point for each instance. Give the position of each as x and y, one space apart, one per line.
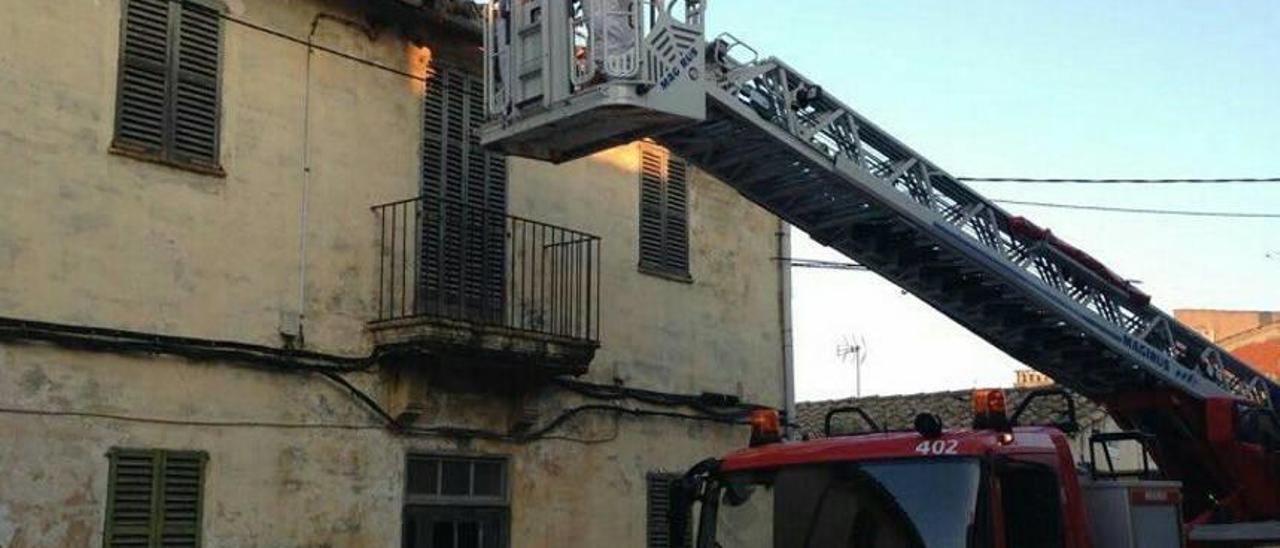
1175 212
814 263
1190 181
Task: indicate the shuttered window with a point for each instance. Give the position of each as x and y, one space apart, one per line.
167 96
464 189
664 213
659 511
154 498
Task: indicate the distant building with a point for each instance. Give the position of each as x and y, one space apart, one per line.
1030 378
1252 336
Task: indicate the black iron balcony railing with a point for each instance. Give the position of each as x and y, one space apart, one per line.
454 262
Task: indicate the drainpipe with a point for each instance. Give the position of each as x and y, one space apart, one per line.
306 188
784 318
299 337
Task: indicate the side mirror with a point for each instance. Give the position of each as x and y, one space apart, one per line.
1068 423
846 410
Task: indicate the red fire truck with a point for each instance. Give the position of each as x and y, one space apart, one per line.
990 484
566 78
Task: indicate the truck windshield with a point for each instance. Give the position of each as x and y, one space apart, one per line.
874 504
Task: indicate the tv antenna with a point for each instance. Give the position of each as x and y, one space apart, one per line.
853 350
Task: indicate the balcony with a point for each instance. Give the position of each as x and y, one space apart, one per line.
477 288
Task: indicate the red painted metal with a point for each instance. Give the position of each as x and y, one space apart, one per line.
1040 445
1024 227
893 445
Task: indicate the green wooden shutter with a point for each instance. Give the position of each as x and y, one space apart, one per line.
167 96
660 511
486 192
652 233
434 291
179 506
154 498
142 97
195 93
464 189
676 242
131 497
664 212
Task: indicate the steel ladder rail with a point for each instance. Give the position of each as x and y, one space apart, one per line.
827 170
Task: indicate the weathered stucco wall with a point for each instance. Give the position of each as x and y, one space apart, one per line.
293 461
94 238
97 238
712 334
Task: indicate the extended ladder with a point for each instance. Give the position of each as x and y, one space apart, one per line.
777 138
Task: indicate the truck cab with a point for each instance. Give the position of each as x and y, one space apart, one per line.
993 485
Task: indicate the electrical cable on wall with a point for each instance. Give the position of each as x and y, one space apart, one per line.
707 407
1184 181
1145 211
816 263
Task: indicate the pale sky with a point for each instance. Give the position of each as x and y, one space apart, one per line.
1042 88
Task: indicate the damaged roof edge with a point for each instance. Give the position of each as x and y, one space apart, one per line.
465 16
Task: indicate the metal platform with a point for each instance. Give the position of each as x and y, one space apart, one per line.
556 89
605 117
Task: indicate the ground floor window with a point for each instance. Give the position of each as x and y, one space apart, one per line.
660 511
456 502
154 497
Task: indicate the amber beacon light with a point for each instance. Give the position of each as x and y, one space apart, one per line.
766 426
989 409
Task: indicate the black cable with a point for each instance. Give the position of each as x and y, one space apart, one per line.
119 340
542 432
363 397
331 367
731 411
191 422
1176 212
574 411
830 265
80 337
1193 181
389 423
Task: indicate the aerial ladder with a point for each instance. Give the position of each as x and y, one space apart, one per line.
567 78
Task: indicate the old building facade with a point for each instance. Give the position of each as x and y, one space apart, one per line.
260 286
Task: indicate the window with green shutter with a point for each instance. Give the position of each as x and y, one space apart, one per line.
660 511
464 191
167 97
664 213
154 498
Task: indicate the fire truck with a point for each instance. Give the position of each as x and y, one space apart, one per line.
567 78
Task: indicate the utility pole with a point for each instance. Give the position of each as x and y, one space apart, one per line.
855 352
